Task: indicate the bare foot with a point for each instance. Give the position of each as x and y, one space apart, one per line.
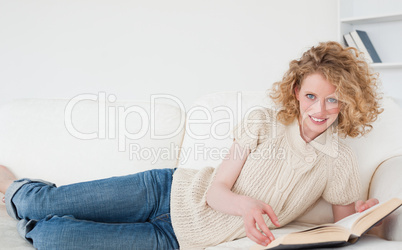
6 178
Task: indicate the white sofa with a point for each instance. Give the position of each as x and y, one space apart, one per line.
95 136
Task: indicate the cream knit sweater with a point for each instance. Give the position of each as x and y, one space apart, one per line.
281 170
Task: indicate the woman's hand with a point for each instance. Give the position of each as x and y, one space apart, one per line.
342 211
360 205
252 211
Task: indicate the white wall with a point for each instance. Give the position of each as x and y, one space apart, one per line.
59 49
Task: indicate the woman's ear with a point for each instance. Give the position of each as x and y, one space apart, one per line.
297 91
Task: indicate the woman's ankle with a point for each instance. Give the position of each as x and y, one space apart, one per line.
6 178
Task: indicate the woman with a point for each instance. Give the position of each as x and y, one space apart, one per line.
328 93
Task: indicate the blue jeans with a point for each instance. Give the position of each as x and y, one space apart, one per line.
128 212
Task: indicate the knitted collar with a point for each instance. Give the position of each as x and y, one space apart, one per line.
326 143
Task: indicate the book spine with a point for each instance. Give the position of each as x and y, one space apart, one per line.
369 46
349 41
360 45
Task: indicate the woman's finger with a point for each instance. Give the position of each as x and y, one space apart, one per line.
251 229
270 212
262 239
252 232
372 202
251 237
359 206
366 205
261 223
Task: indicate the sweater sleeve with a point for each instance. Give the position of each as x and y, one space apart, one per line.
343 185
254 128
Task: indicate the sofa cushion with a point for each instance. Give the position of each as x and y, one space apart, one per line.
9 237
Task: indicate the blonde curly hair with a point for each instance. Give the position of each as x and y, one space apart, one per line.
356 86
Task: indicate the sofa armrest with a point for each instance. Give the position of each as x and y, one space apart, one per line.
386 184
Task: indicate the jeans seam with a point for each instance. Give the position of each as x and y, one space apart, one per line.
162 218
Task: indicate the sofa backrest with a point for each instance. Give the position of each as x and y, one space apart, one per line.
209 124
382 143
66 141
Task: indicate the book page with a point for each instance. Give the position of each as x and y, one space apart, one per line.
347 222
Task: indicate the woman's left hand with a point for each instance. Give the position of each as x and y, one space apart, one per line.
360 205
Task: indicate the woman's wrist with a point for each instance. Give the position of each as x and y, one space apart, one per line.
242 202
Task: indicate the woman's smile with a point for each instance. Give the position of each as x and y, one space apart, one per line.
318 121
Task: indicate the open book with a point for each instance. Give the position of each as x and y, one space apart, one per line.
344 232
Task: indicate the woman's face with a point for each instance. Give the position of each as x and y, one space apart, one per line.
318 105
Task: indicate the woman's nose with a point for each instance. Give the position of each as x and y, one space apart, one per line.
320 109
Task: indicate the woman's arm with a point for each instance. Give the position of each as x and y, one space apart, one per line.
221 198
341 212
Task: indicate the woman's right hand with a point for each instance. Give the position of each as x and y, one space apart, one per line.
252 211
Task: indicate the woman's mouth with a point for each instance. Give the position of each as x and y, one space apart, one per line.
318 121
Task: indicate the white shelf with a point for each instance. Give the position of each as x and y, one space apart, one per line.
386 65
373 19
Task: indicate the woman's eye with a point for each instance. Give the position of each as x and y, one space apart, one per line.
310 96
332 100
